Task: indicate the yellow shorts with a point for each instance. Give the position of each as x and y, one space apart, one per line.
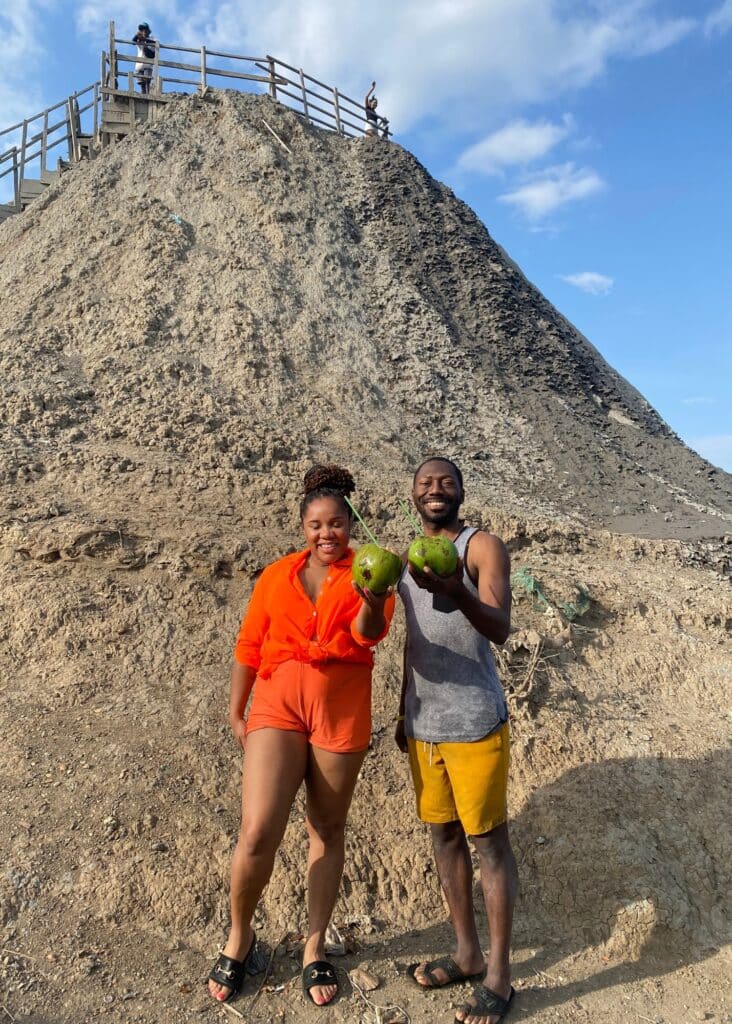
463 782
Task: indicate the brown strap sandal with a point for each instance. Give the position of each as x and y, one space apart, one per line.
451 969
486 1003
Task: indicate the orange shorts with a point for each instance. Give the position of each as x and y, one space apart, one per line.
329 702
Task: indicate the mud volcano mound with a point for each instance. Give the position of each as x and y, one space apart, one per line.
201 304
186 324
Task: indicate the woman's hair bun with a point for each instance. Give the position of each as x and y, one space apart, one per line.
328 478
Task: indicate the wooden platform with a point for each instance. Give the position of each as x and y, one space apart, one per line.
122 111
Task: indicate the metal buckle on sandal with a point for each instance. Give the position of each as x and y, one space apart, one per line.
226 974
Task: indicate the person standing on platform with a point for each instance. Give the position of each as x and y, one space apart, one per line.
145 48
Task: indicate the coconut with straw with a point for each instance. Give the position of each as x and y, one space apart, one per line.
374 568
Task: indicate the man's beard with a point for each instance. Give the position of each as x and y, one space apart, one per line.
442 518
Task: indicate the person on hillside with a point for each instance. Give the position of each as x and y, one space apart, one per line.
373 120
305 649
145 48
453 723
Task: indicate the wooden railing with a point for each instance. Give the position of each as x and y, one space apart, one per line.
35 137
9 165
77 121
339 111
312 99
202 72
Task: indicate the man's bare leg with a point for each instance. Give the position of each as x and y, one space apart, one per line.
455 871
499 880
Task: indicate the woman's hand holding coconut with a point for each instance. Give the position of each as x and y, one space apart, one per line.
370 619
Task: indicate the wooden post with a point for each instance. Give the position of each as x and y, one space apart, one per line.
203 70
95 108
16 182
112 57
44 143
130 82
77 123
23 148
272 86
337 112
103 137
73 142
155 84
304 96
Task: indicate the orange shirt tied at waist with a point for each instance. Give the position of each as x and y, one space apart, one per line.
282 623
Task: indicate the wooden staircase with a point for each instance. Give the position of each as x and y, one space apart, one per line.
26 163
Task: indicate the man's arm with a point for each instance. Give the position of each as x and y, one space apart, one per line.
490 612
488 562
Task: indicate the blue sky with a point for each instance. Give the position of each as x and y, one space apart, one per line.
593 140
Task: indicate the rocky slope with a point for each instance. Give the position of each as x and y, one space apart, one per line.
198 309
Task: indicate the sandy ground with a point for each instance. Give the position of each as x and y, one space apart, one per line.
121 790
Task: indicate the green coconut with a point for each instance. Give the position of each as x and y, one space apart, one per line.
376 568
438 553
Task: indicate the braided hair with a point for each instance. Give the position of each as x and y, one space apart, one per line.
329 481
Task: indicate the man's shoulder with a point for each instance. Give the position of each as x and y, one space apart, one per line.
481 536
484 547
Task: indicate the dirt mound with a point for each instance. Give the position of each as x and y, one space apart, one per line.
197 308
187 323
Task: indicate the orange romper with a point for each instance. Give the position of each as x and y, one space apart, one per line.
313 666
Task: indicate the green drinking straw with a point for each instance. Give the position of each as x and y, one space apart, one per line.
410 517
355 511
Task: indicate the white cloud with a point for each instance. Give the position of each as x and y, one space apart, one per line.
518 142
716 448
659 35
719 21
458 65
590 282
21 30
552 188
699 400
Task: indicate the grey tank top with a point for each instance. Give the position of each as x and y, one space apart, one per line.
453 691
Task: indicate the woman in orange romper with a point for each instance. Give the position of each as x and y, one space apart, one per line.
305 648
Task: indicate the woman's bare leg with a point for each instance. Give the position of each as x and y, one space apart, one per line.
329 780
275 762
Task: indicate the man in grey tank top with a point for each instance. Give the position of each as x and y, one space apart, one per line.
453 723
